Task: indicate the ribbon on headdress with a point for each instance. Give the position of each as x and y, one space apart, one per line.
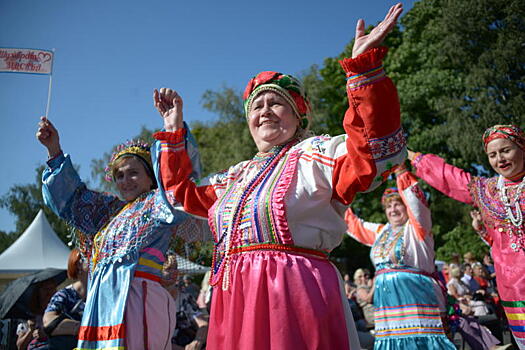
510 132
286 86
137 148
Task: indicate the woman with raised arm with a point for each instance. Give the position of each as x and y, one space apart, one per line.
275 218
501 202
124 241
408 300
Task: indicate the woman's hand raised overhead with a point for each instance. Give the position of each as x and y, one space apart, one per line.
364 42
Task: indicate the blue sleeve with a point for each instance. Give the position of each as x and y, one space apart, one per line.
193 153
69 198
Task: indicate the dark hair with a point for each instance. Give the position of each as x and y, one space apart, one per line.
464 267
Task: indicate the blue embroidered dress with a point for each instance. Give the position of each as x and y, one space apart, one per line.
121 240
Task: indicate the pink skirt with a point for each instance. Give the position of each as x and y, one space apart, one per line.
153 328
279 300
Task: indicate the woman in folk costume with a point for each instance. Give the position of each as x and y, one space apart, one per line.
501 201
408 300
124 240
276 217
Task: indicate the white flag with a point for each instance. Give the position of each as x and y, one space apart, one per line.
32 61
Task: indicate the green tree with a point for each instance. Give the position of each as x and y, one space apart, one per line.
24 202
227 141
459 68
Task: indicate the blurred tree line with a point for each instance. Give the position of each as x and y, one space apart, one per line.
459 68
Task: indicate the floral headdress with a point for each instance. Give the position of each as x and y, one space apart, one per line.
389 193
510 132
136 148
286 86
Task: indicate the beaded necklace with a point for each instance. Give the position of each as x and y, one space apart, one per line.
101 236
384 249
230 230
516 233
518 219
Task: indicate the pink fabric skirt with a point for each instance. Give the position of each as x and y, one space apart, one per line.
157 324
279 300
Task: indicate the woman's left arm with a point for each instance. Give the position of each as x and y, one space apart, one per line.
414 198
374 143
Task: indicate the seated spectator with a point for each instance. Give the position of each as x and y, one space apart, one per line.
364 295
467 278
192 324
30 333
64 312
190 287
366 339
455 286
481 276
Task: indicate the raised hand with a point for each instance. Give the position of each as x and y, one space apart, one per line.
378 34
169 104
477 224
48 136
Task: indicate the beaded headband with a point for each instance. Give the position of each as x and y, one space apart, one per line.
510 132
136 148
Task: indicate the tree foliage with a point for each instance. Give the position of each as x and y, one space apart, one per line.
24 202
459 68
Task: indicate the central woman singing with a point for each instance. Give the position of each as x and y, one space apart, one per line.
275 218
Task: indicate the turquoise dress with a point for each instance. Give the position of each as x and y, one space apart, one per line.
408 301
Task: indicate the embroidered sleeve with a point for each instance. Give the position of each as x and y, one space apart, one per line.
485 236
362 231
174 171
451 181
417 207
374 139
71 200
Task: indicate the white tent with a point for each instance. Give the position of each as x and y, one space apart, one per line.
37 248
185 266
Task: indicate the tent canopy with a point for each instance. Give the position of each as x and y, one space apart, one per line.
37 248
185 266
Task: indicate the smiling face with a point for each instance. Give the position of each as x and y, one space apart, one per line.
131 178
271 120
396 212
505 157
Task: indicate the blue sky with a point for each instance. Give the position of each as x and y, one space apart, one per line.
110 55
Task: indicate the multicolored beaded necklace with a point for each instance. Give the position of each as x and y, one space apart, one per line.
384 250
100 238
220 264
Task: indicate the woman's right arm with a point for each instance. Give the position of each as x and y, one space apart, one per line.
362 231
65 193
173 155
451 181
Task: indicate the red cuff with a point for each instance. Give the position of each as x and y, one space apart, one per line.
364 62
171 137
